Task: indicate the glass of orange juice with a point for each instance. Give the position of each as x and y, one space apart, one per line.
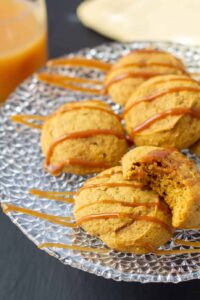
23 41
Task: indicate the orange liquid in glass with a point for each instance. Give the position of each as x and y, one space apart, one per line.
23 43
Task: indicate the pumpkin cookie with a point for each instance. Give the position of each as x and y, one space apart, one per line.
165 111
170 174
136 67
82 137
122 214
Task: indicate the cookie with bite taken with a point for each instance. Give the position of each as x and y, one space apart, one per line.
124 214
172 176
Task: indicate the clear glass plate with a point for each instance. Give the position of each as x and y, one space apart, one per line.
21 168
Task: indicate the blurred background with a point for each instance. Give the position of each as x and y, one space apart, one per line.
128 20
24 29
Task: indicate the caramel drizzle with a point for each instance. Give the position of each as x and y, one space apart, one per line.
160 116
73 247
79 134
155 51
57 196
156 155
184 79
104 176
195 74
187 243
62 221
57 169
67 82
124 215
62 82
23 119
80 62
63 78
158 204
177 252
80 107
147 64
110 185
148 246
129 75
180 251
160 94
148 50
47 217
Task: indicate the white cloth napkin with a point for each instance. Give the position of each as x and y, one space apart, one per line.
128 20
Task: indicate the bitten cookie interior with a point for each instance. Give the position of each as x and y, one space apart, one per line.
170 174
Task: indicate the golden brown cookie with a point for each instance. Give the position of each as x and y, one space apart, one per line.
164 111
82 137
170 174
133 69
122 214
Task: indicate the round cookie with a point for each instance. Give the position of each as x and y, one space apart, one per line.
106 206
136 67
170 174
82 137
165 112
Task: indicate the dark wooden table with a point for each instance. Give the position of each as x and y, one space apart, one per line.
27 273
